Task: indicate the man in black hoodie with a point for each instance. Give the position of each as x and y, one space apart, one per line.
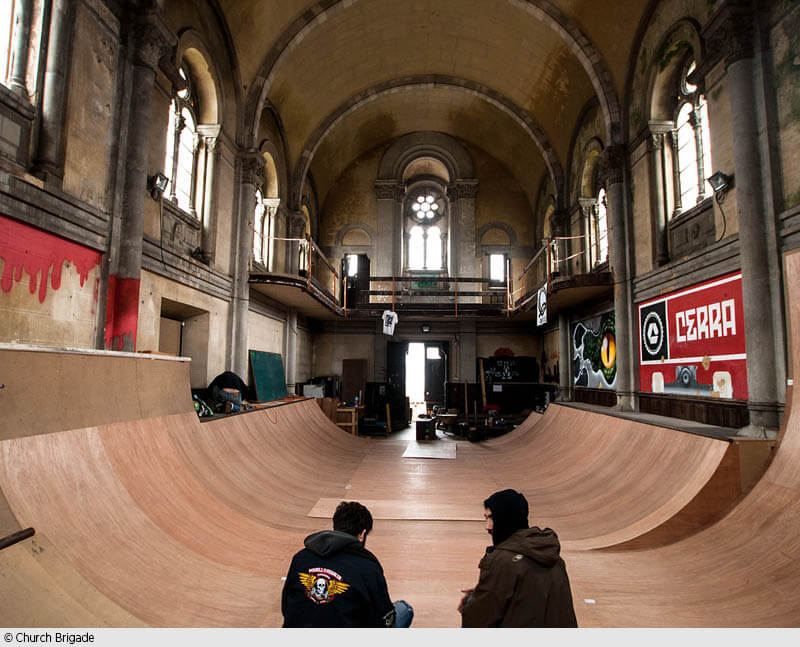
523 581
336 582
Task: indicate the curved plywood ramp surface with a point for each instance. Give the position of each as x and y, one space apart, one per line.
169 522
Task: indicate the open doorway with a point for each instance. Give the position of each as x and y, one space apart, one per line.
426 373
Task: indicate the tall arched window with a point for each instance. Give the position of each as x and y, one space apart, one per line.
6 32
180 160
601 220
425 238
692 149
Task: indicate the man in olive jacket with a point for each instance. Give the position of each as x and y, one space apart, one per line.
523 580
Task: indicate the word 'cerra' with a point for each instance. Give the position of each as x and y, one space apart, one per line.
706 322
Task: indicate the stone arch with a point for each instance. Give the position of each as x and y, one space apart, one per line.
522 117
344 231
505 228
544 10
587 182
439 146
194 52
680 42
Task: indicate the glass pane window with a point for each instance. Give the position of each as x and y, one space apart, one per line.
183 176
497 267
432 352
169 155
433 249
258 227
602 227
6 33
706 136
416 248
687 157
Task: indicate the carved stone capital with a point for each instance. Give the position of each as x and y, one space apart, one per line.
295 223
611 165
252 165
151 40
655 142
389 190
462 189
729 33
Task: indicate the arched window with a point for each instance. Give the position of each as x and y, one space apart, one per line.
180 160
692 149
258 228
6 32
425 238
601 220
264 231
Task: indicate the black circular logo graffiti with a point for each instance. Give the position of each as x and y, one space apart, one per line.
653 333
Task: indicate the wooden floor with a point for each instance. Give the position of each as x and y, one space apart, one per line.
165 521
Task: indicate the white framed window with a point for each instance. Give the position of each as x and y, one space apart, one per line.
601 227
6 39
425 233
692 144
264 230
182 147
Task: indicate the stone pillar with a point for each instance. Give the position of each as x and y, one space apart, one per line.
462 259
611 171
730 35
290 351
209 201
49 162
388 236
467 351
19 47
295 229
677 200
658 204
150 41
564 358
251 174
587 206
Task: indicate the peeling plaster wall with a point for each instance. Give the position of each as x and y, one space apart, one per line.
49 288
305 355
786 70
90 108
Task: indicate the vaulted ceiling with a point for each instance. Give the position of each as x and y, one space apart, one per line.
508 76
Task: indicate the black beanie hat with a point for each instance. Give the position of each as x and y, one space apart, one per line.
509 514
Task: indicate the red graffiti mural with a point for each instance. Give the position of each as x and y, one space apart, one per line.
41 255
122 313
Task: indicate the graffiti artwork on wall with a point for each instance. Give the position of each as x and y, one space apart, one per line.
692 341
594 352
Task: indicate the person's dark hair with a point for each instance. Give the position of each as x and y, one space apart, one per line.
352 517
509 514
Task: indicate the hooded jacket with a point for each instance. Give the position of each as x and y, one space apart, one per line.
335 582
523 583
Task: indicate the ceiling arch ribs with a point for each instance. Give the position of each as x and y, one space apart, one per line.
546 12
501 102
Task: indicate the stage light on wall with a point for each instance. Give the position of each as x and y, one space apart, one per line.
157 184
426 328
720 183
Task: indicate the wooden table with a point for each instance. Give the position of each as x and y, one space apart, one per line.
347 418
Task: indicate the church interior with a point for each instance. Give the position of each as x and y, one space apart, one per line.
558 237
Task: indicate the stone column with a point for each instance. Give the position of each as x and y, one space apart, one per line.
467 350
22 17
462 258
290 351
150 41
49 162
251 174
295 229
730 35
387 246
209 202
658 205
587 206
564 358
676 175
612 164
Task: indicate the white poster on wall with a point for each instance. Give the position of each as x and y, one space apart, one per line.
541 307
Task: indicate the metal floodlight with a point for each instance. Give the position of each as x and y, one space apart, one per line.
157 184
426 328
720 183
